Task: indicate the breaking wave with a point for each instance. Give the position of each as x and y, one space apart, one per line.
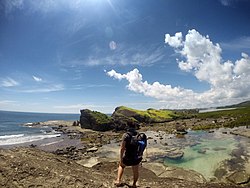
22 138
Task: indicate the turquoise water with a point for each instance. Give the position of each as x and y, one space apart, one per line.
205 157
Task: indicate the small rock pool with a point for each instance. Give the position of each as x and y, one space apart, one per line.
214 154
205 152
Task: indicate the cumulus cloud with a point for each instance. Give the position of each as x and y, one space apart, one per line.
229 81
175 41
9 82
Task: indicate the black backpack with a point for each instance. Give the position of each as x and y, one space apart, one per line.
136 145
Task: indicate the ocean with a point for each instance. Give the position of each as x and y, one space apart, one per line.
13 131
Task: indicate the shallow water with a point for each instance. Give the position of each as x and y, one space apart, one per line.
206 155
13 132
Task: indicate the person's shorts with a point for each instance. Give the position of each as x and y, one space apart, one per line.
131 162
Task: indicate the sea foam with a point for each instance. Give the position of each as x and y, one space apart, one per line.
22 138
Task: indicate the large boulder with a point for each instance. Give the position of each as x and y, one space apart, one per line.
95 120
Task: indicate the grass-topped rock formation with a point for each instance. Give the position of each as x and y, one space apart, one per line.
122 116
95 120
235 115
147 116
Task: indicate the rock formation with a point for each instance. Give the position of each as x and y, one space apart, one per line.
95 120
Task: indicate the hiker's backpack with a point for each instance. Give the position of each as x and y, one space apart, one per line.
136 145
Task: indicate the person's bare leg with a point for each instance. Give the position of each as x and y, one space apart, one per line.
135 174
119 174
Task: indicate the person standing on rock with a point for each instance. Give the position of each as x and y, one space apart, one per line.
130 154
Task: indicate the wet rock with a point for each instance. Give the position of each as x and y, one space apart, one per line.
180 129
235 163
240 177
243 132
93 149
193 143
219 149
202 150
238 152
175 154
219 173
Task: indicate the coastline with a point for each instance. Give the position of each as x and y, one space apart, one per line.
91 148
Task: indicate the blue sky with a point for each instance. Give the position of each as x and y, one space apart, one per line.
63 56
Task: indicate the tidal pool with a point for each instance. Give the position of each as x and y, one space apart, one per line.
206 151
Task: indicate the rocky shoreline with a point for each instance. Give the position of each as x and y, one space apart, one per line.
85 152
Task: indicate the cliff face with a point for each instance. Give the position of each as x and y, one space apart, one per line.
147 116
95 120
123 116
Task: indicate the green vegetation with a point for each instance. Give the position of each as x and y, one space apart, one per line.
231 118
101 118
148 116
123 116
206 127
95 120
243 104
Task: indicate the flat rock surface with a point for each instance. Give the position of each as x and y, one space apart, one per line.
241 132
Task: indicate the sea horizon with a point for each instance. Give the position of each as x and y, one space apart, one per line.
40 112
13 130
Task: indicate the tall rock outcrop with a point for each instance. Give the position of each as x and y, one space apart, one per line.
122 117
140 116
95 120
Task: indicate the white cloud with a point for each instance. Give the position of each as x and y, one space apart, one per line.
229 81
124 55
6 102
242 43
175 41
11 5
112 45
228 2
116 75
75 108
52 88
9 82
8 105
155 90
203 59
225 2
46 6
37 79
